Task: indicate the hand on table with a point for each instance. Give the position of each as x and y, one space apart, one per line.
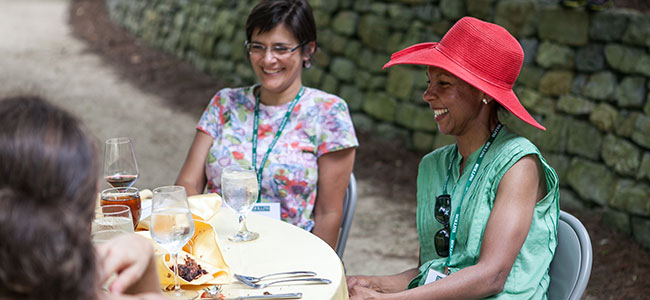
363 287
353 281
360 293
130 257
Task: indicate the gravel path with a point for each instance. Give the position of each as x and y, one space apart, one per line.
39 56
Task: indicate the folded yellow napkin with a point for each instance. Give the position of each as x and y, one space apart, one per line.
201 250
203 207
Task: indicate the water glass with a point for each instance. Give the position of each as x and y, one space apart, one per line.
239 190
172 227
110 221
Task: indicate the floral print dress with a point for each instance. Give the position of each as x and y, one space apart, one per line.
320 123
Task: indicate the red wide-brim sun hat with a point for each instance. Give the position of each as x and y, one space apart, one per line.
482 54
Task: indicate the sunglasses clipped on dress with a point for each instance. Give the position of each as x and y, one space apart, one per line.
442 211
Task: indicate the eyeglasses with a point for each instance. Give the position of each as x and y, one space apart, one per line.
441 213
278 51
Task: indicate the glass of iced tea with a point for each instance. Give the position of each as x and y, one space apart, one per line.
129 196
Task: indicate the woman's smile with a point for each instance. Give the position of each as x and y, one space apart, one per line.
439 112
271 71
278 71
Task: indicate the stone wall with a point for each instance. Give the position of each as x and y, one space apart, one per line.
585 77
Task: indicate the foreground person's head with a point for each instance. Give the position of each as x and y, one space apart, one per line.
48 177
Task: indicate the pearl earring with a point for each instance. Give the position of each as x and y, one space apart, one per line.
306 64
484 100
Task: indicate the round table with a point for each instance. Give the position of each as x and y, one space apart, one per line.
280 247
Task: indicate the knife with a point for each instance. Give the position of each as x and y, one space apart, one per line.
270 296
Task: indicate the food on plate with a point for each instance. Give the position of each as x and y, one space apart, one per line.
201 253
190 270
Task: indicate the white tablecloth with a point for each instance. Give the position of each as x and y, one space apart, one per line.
280 247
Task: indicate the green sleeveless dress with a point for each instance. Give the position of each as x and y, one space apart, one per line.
528 278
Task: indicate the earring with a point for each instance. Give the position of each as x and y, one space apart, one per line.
485 101
306 64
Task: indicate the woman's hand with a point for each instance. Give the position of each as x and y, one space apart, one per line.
362 287
369 287
363 293
130 257
354 281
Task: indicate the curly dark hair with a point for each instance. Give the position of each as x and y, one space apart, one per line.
48 176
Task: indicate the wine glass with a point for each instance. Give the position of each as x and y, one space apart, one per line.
239 190
110 221
120 165
172 227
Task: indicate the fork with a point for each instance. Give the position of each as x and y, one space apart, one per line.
257 279
263 285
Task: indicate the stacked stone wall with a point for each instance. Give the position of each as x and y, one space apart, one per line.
585 77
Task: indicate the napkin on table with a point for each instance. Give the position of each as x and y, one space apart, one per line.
202 247
203 207
204 250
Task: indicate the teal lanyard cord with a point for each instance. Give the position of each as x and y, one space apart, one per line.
454 226
275 139
451 163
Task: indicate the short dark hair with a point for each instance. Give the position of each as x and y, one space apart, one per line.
295 14
48 180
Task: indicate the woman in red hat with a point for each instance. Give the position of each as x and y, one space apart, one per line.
488 204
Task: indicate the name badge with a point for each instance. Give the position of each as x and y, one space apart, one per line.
434 275
271 210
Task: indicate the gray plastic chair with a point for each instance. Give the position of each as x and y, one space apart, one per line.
349 206
571 265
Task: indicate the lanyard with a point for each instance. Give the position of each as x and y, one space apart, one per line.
275 139
454 226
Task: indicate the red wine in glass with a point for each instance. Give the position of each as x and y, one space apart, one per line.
121 180
120 165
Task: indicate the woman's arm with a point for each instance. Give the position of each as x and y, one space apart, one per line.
192 175
334 170
505 233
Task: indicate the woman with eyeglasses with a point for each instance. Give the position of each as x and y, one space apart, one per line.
487 205
300 140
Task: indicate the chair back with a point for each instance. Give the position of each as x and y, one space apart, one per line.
349 206
571 266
